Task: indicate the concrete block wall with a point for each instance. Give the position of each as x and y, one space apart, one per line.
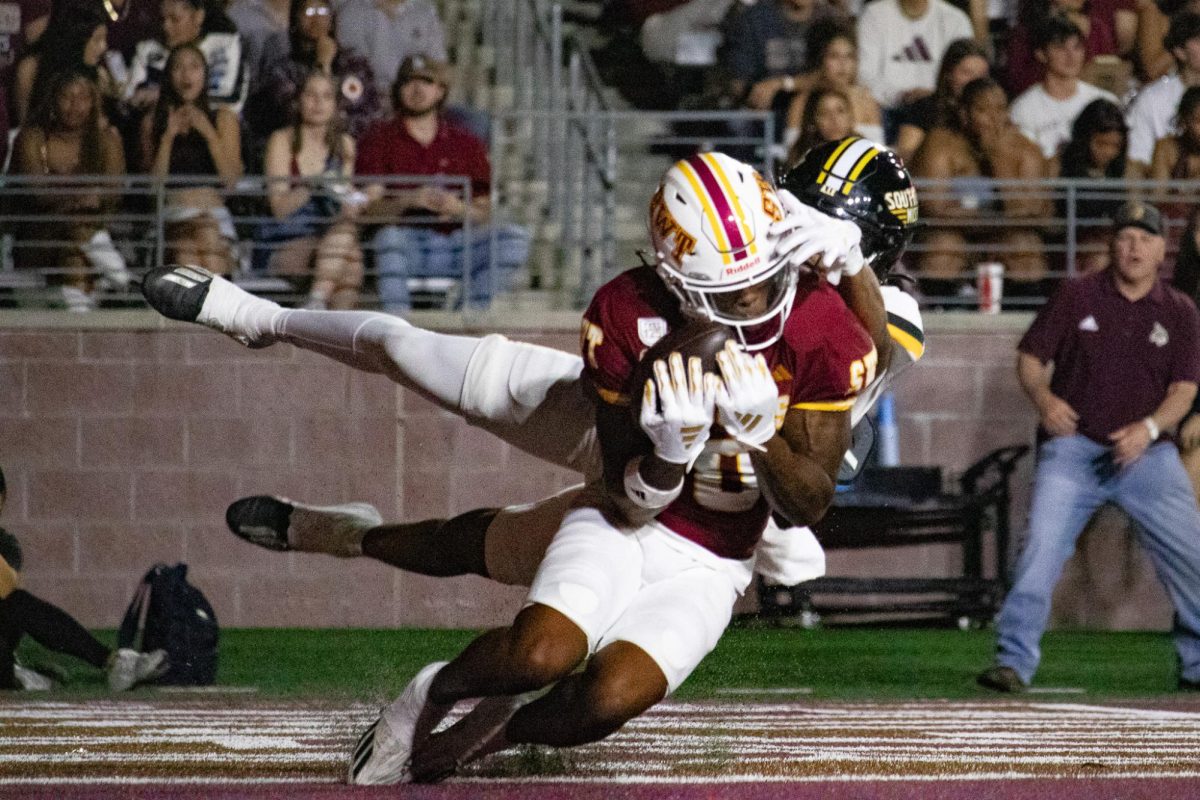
124 441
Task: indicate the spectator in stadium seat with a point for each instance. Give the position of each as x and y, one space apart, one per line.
185 135
418 140
310 45
964 61
129 22
833 63
764 52
68 136
389 31
23 613
982 145
198 22
1045 111
315 237
1154 60
1111 363
1177 157
828 116
27 20
900 43
76 36
1108 29
1152 112
1097 150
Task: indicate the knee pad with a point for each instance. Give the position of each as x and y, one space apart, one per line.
507 381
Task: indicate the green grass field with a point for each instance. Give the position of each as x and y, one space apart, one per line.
834 663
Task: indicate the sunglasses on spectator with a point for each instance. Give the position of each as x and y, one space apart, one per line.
318 11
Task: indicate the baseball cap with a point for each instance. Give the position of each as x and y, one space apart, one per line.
1139 215
424 67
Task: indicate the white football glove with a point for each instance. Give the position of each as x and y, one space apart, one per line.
747 399
805 232
680 430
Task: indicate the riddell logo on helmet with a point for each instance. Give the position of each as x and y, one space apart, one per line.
742 267
665 227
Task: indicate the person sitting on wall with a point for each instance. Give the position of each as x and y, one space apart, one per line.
419 140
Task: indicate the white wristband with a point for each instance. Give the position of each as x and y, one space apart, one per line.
789 83
1152 426
643 494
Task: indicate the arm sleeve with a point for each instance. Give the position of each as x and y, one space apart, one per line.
1187 365
609 356
479 169
370 159
830 370
905 326
1044 336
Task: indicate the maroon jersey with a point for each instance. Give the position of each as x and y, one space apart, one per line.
821 362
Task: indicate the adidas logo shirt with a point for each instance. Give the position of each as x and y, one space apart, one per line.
897 54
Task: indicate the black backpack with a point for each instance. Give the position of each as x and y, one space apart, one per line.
178 619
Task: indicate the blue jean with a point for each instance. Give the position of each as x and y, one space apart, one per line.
403 252
1068 488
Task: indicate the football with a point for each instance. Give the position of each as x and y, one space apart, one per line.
700 338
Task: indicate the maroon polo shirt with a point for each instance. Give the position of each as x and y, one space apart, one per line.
1114 359
387 148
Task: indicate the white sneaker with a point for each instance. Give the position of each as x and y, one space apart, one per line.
102 254
278 523
78 301
129 668
383 753
193 294
31 680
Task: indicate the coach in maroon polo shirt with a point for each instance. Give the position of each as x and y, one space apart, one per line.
433 242
1111 362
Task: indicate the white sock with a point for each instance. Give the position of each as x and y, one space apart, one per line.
232 309
432 364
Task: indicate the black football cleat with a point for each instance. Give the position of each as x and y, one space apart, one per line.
262 520
193 294
177 291
277 523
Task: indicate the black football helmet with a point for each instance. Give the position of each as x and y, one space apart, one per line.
858 180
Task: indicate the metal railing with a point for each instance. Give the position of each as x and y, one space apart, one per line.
46 218
588 214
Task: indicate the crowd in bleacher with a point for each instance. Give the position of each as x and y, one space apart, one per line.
307 93
966 91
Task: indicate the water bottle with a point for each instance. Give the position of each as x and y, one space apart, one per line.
888 432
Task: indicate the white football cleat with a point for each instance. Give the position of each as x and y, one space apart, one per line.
278 523
383 753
